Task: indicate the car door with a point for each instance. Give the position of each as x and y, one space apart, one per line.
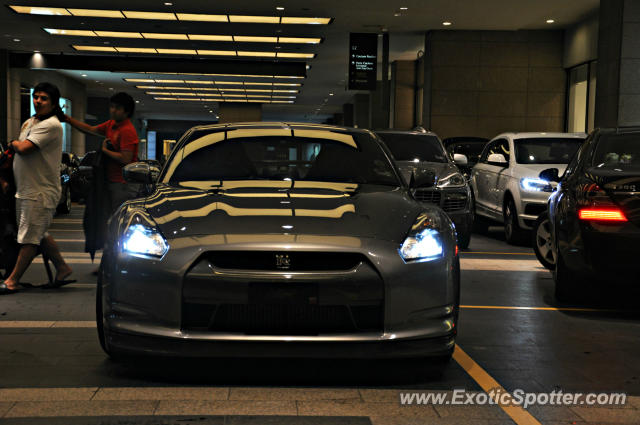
502 176
481 177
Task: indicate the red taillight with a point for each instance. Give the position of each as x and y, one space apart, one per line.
602 214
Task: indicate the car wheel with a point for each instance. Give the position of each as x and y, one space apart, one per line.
65 207
542 241
513 233
566 282
99 322
464 239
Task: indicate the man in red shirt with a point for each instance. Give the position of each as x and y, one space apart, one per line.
120 146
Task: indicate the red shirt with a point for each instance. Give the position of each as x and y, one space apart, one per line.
123 137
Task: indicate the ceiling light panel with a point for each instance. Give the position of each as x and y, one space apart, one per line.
75 33
217 52
176 51
52 11
206 37
118 34
305 21
161 16
296 55
251 39
96 13
201 17
257 54
135 50
300 40
164 36
254 19
94 48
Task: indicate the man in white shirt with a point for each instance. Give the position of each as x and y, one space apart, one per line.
36 169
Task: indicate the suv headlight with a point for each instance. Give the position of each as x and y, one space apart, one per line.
535 185
142 241
452 180
424 242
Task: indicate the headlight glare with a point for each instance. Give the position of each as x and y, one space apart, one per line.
425 246
535 185
140 240
452 180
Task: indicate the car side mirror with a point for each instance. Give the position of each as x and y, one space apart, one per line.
460 159
550 175
497 159
140 172
422 179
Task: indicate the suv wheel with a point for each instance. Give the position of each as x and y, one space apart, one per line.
513 233
542 241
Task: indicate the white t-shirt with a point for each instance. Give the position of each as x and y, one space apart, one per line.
37 173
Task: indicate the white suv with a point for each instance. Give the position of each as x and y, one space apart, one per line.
505 183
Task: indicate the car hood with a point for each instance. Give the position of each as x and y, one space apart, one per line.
439 170
262 207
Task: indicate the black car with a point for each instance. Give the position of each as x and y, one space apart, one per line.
471 147
433 176
594 215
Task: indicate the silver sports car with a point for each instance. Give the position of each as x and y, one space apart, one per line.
278 239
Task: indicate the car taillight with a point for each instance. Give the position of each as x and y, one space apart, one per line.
602 214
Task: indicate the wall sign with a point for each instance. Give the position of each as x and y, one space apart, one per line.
363 61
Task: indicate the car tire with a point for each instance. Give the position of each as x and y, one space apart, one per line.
513 233
102 336
566 282
65 207
541 240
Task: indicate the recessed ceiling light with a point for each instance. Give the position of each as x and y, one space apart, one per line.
110 88
330 94
137 101
118 34
309 21
96 13
279 8
254 19
397 14
550 21
167 3
40 10
77 33
404 8
201 17
163 16
36 51
84 75
446 23
16 40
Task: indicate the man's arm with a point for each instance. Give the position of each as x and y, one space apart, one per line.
84 127
23 147
124 157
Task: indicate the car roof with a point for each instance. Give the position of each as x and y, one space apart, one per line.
409 132
541 135
277 124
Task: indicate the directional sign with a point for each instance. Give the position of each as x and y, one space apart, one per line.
363 61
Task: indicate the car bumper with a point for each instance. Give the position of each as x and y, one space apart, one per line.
145 303
532 204
604 252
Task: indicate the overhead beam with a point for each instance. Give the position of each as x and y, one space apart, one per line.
155 64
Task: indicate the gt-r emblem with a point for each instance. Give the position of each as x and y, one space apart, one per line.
283 261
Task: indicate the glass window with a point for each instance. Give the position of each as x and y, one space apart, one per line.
578 87
621 151
414 147
546 150
211 157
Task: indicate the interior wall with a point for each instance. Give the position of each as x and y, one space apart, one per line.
233 112
69 88
487 82
581 42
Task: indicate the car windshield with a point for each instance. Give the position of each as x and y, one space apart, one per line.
618 151
414 147
546 150
276 155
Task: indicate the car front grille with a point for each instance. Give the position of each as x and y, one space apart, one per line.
449 202
256 300
430 196
297 261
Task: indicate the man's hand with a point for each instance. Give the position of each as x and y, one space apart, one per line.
105 142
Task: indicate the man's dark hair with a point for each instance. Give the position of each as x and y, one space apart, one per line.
126 101
54 96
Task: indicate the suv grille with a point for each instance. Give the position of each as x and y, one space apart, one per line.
426 195
454 204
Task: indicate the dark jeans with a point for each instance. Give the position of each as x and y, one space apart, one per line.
121 192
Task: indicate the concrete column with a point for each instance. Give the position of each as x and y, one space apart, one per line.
403 84
618 86
239 112
347 114
361 111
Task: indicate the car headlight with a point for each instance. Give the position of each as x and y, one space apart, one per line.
452 180
535 185
141 240
424 242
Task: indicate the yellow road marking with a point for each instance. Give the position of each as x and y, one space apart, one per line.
496 253
506 307
47 324
519 415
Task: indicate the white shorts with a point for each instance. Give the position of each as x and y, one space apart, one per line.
33 221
